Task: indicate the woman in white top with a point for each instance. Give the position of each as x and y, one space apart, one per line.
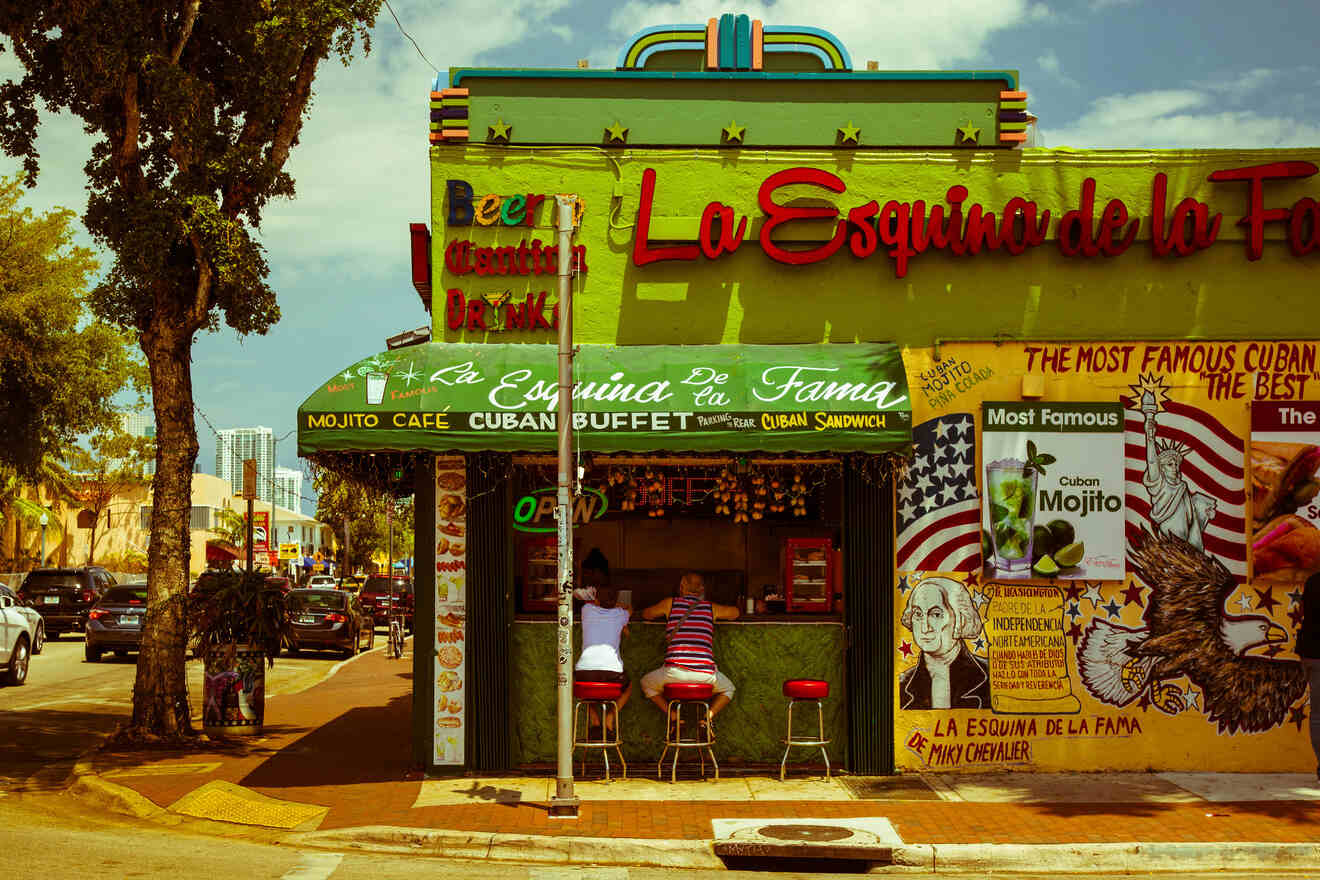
603 625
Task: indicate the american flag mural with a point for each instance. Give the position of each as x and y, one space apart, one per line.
1213 465
939 514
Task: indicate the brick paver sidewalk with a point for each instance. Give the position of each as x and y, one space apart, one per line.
346 744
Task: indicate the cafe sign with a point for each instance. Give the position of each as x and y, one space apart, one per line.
1053 492
774 398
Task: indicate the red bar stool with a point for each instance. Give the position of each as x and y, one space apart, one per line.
806 690
678 695
602 695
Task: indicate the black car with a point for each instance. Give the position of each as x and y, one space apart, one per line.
380 590
63 596
115 622
324 620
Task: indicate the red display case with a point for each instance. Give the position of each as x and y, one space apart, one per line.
540 568
808 575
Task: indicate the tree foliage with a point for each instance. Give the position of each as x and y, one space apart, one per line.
341 501
108 465
194 108
59 373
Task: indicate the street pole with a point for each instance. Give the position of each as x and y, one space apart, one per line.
45 518
564 805
250 523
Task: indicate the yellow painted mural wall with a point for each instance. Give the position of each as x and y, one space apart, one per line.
1092 702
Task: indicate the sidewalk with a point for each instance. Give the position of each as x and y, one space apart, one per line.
334 760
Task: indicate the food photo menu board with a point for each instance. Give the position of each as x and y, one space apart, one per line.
450 608
1285 513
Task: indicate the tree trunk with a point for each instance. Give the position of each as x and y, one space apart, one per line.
91 540
160 694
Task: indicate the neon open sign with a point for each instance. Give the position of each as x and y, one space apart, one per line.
535 511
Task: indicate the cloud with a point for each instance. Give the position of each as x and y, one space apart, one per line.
1050 64
903 34
1178 118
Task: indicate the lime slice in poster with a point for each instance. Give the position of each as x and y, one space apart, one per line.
1045 567
1071 555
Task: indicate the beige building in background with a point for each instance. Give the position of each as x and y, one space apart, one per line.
124 529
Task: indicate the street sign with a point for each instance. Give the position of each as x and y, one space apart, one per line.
289 551
260 522
250 478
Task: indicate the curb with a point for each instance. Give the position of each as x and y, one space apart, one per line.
634 852
1132 857
118 799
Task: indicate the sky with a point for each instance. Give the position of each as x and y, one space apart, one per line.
1099 73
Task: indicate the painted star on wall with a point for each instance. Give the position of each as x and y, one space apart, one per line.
1265 599
903 585
905 648
850 132
1074 632
1132 595
969 132
1295 597
500 131
1190 698
733 132
1074 610
1112 609
617 132
979 599
1093 593
1244 602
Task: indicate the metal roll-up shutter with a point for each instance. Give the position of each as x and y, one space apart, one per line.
489 609
868 565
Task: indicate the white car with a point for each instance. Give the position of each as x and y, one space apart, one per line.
22 634
323 581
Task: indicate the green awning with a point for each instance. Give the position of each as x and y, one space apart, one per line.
739 398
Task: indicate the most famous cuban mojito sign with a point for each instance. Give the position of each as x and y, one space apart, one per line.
650 397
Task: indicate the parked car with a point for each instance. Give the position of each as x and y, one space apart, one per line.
320 581
329 619
375 597
63 596
115 622
352 584
278 580
21 636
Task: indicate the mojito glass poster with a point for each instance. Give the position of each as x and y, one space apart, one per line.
1052 500
1285 513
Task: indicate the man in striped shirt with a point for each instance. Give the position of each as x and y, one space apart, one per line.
690 655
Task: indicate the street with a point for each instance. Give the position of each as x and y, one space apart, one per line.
68 705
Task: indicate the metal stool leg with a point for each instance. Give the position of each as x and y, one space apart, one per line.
788 742
618 743
820 717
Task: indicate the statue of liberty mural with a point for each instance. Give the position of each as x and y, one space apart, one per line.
1174 508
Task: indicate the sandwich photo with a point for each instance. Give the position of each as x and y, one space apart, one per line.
1287 548
450 480
1283 478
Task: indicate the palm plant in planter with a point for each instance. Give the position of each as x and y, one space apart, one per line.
237 624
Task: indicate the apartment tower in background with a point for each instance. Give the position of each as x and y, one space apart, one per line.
233 445
288 489
142 423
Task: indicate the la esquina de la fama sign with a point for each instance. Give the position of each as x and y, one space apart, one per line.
908 229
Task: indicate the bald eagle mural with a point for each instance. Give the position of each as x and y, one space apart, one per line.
1188 632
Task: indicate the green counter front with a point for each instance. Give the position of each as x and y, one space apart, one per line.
757 655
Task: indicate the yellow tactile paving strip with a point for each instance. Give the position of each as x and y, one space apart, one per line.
226 802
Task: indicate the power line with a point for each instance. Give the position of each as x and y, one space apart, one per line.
409 36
